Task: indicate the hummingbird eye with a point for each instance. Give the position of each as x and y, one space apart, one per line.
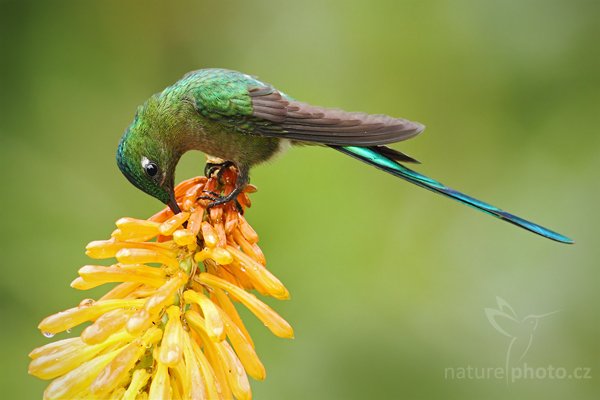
150 168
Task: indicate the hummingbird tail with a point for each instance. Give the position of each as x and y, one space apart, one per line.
377 158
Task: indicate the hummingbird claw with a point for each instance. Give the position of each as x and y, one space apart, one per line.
219 168
210 168
217 200
224 199
210 192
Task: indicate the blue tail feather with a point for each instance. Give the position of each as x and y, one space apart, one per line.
381 161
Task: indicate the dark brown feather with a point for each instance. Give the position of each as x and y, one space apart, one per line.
306 123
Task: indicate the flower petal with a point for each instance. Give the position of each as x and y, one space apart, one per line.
125 273
212 316
57 363
101 249
270 318
160 389
195 387
142 256
184 237
258 273
170 348
139 378
195 220
169 226
213 389
74 316
211 353
227 306
209 234
121 291
105 326
73 383
251 249
246 230
244 349
154 304
218 254
118 369
54 347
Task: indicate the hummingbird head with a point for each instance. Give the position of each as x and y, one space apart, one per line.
147 161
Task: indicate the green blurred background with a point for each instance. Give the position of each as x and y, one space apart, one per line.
389 282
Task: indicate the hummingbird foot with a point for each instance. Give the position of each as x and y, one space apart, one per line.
219 200
217 170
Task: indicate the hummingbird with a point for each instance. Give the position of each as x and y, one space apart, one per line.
235 117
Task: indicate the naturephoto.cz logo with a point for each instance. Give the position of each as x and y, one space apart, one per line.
520 334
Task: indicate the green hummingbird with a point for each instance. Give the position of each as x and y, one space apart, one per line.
235 117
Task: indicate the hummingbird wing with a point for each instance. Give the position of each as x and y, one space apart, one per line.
284 117
243 103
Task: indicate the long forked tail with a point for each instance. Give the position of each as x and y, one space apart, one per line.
376 157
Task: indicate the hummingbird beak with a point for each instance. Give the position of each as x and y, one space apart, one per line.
173 203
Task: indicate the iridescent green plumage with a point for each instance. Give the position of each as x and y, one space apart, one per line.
237 118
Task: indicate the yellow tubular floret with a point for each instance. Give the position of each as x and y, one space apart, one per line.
165 293
214 322
70 385
270 318
101 249
211 353
123 273
213 388
121 291
118 369
54 347
105 326
209 234
63 360
246 230
138 226
169 226
142 256
154 304
160 389
171 347
229 309
74 316
139 378
235 375
196 386
244 349
258 273
184 237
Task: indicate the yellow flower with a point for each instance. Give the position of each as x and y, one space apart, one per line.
168 329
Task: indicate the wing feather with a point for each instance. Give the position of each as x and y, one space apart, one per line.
303 122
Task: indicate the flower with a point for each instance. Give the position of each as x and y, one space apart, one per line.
169 328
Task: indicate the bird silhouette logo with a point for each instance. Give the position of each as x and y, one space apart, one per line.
520 331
